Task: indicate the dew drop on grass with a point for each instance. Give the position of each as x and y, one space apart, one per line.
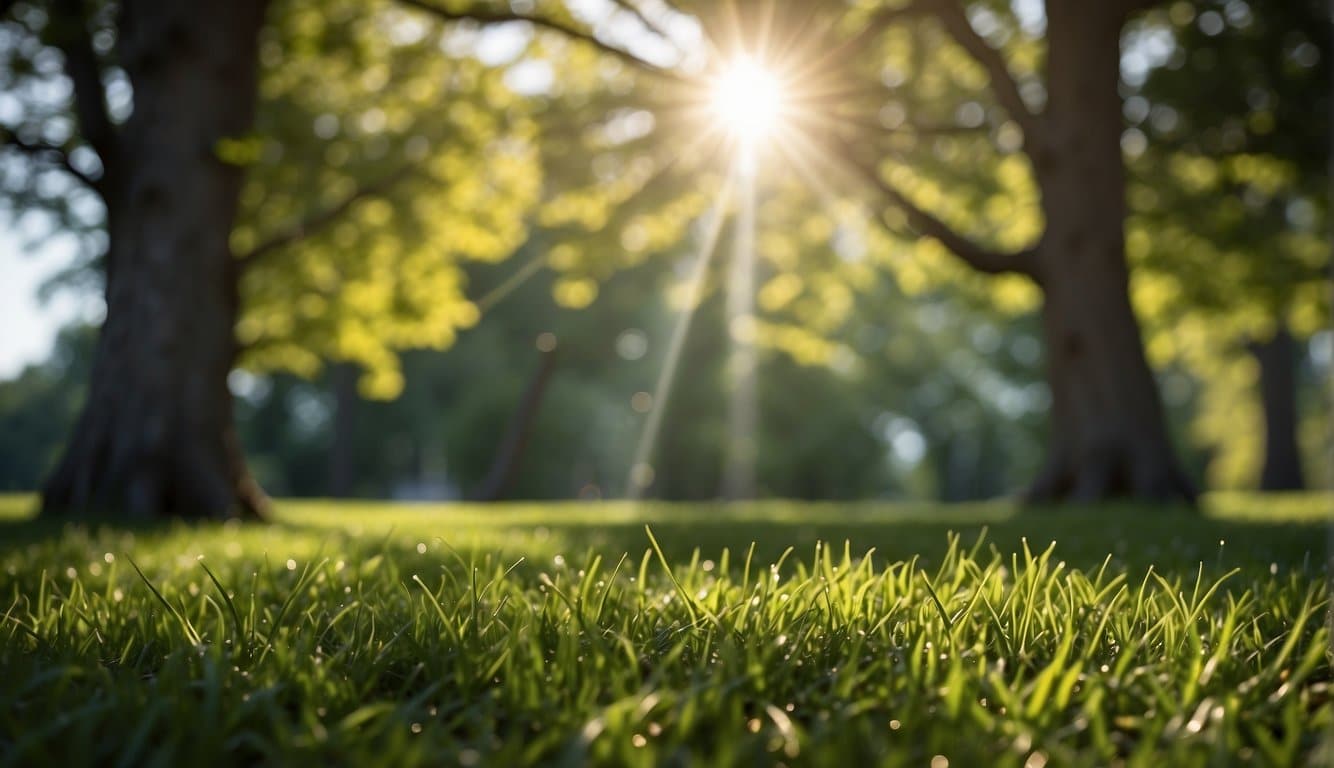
638 740
894 725
416 727
291 564
421 547
110 558
940 761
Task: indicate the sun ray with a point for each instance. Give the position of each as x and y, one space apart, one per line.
511 284
799 43
731 29
764 34
641 469
743 414
798 158
834 56
763 114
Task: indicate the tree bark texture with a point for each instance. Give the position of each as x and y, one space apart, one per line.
156 436
1108 436
1282 470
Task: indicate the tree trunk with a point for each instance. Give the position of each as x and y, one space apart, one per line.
510 452
156 437
1278 395
343 436
1108 436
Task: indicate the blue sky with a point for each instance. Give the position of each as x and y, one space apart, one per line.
28 326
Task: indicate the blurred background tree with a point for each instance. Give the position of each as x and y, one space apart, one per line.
1229 144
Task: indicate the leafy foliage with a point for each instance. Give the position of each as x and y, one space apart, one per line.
383 164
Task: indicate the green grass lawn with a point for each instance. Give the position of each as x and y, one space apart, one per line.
757 635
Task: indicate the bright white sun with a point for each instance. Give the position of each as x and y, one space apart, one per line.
748 100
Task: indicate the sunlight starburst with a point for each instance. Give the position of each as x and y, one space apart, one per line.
747 100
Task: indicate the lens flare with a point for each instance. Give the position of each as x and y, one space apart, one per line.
747 100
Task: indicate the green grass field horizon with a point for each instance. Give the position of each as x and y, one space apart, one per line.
648 634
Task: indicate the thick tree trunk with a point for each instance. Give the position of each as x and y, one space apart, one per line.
1277 357
1108 434
156 437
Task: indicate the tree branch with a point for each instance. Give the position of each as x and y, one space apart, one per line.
649 24
574 33
51 153
1003 85
81 65
325 218
976 256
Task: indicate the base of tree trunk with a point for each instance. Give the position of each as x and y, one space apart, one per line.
144 488
156 439
1110 475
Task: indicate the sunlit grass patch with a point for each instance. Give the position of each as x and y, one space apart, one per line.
569 634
